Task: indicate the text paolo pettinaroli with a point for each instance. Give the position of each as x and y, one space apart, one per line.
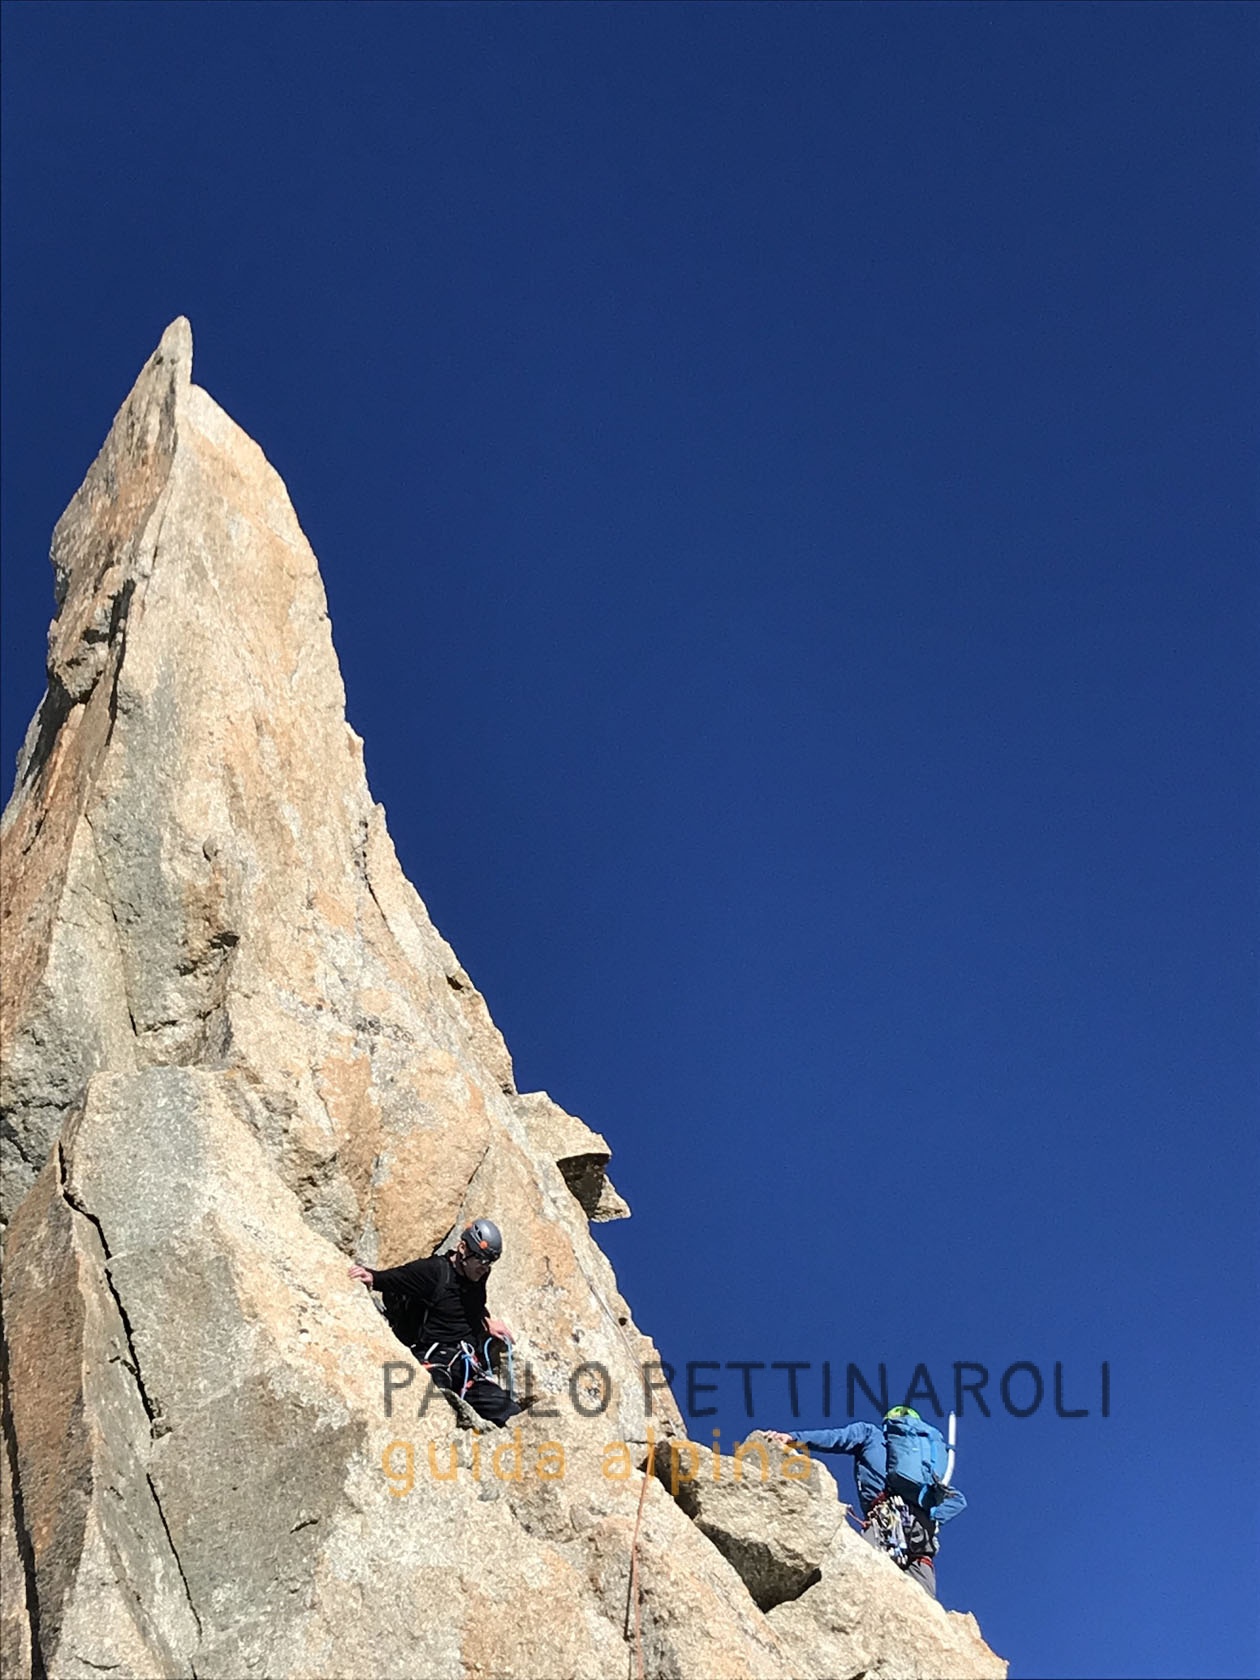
785 1385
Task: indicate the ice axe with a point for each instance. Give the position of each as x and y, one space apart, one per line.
951 1442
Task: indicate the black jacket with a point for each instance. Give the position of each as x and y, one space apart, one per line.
428 1301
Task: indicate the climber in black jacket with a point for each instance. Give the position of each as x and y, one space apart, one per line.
437 1307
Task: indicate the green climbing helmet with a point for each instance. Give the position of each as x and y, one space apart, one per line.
903 1411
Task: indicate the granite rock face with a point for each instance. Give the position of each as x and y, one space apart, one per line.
771 1515
865 1618
236 1053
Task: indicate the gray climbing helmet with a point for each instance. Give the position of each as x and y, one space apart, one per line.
482 1240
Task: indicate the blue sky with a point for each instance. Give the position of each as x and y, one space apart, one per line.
784 480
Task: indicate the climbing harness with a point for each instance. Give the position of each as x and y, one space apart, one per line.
464 1354
475 1367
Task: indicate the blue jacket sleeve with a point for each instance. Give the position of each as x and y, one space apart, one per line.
950 1505
851 1439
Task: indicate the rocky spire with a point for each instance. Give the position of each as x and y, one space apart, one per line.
237 1051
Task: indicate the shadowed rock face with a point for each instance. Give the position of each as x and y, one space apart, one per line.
236 1051
773 1527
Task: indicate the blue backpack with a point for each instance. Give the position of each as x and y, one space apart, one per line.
917 1456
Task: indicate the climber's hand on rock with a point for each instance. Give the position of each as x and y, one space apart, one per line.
778 1435
361 1274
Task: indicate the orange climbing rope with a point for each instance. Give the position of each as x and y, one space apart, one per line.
634 1576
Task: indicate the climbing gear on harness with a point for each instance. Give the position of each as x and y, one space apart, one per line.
482 1240
473 1368
901 1531
887 1516
476 1367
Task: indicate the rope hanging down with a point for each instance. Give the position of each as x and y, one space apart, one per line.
635 1606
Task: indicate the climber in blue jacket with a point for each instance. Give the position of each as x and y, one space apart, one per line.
906 1529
